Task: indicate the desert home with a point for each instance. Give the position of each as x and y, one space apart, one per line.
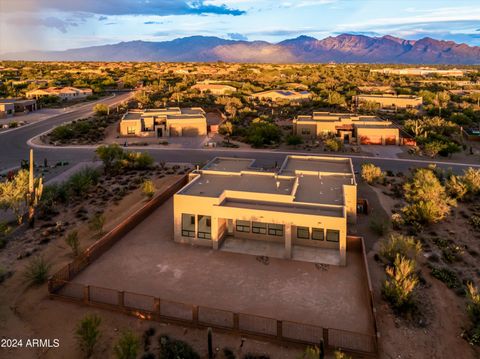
387 101
307 203
351 128
213 88
12 106
164 122
64 93
420 71
282 95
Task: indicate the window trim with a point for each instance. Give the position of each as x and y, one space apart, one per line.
277 232
318 230
303 229
262 229
335 231
188 232
242 227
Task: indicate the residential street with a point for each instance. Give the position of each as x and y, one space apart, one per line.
14 148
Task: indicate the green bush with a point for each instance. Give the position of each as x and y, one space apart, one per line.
97 222
447 276
88 333
174 349
398 244
81 182
293 140
148 188
371 173
36 271
73 242
127 346
333 144
263 133
401 282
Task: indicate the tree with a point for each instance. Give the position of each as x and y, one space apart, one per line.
109 155
442 100
127 346
101 109
294 140
226 129
333 144
432 148
371 173
427 199
88 333
13 194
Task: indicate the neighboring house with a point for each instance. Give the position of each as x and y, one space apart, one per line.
214 89
65 93
351 128
306 203
420 71
12 106
282 95
164 122
386 101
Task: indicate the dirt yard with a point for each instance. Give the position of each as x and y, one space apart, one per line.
147 261
439 336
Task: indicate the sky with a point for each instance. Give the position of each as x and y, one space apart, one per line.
64 24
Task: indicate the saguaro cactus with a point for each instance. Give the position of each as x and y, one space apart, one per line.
35 190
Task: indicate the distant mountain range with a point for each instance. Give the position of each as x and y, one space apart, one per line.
303 49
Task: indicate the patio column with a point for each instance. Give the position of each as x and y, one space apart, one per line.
214 232
288 241
230 226
196 227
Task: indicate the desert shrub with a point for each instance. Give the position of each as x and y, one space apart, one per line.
127 346
263 133
400 284
228 353
83 180
455 187
398 244
293 140
471 179
447 276
173 349
371 173
97 222
110 155
36 271
73 242
312 353
427 199
379 226
397 221
341 355
475 221
88 333
333 144
138 161
148 188
5 229
255 356
473 310
100 109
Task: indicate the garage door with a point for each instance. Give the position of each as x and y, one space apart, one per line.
190 131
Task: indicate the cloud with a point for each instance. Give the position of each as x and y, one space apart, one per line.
50 22
124 7
364 33
237 36
102 18
153 22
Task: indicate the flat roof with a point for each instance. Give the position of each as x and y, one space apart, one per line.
213 185
226 164
309 179
316 164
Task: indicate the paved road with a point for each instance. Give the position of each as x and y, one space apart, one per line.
14 148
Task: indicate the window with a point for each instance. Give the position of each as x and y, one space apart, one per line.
333 235
275 230
259 228
305 131
243 226
130 130
303 232
317 234
188 225
204 227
